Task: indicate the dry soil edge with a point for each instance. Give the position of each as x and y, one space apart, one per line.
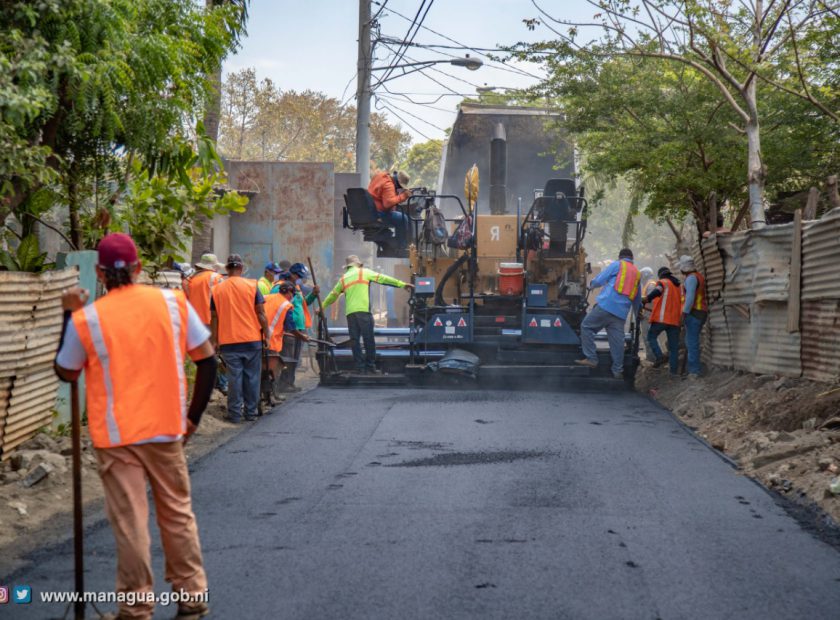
809 515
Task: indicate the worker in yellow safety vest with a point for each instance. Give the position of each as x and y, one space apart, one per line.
355 284
132 343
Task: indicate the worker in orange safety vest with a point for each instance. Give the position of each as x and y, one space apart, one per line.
388 190
281 326
695 311
665 317
621 282
132 345
239 327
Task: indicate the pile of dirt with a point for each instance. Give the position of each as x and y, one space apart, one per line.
781 431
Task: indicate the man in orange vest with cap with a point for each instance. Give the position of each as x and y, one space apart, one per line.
621 282
240 329
132 344
665 317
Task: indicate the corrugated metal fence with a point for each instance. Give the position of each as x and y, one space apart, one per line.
30 326
748 283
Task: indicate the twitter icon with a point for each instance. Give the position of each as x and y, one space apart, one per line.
22 594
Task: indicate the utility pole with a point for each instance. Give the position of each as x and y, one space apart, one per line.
363 95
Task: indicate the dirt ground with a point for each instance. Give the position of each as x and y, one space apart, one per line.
781 431
41 514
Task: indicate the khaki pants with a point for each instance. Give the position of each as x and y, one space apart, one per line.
124 472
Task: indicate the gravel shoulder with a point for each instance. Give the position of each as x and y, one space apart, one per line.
782 432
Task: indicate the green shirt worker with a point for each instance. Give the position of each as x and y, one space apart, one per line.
355 284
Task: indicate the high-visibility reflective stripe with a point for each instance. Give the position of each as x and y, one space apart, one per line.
360 280
665 289
177 327
98 340
622 276
276 318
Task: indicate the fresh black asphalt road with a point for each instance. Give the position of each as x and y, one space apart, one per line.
479 504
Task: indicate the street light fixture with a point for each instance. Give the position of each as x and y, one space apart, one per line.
470 63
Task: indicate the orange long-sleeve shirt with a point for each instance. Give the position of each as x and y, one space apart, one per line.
384 193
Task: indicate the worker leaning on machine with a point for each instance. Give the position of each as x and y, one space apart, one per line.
131 343
355 284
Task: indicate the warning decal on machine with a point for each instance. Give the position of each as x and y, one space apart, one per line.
462 322
533 323
557 323
438 323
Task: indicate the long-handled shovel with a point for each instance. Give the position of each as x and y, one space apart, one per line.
323 330
78 529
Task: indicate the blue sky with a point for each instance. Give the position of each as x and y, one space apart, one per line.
313 46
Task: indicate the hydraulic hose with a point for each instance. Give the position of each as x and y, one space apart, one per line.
448 274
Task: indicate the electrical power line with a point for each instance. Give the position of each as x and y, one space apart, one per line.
429 106
404 111
410 126
415 25
466 47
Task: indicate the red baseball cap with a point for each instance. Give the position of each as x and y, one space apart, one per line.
117 250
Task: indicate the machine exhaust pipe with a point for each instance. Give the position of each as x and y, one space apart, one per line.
498 171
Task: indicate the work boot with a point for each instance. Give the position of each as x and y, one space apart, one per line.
586 362
660 361
618 375
199 610
373 371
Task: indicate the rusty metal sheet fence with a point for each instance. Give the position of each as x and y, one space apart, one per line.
30 326
748 284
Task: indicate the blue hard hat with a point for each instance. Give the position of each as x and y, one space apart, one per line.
300 270
272 267
283 275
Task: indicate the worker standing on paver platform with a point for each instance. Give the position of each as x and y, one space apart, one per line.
355 284
131 344
665 317
694 313
240 329
620 281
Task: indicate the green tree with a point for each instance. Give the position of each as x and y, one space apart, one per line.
102 85
734 46
261 121
422 163
664 128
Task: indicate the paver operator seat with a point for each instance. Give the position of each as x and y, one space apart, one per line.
360 214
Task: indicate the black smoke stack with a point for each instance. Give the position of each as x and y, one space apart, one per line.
498 171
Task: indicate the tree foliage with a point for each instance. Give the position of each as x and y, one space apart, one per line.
422 163
261 121
666 127
734 47
100 92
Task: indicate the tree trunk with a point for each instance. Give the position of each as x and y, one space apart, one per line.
203 238
73 210
756 174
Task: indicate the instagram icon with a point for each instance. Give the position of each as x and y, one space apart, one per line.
4 595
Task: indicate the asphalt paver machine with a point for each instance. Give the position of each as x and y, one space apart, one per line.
504 309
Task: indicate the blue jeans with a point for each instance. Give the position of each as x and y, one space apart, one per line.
399 221
673 334
360 325
595 321
693 327
243 372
